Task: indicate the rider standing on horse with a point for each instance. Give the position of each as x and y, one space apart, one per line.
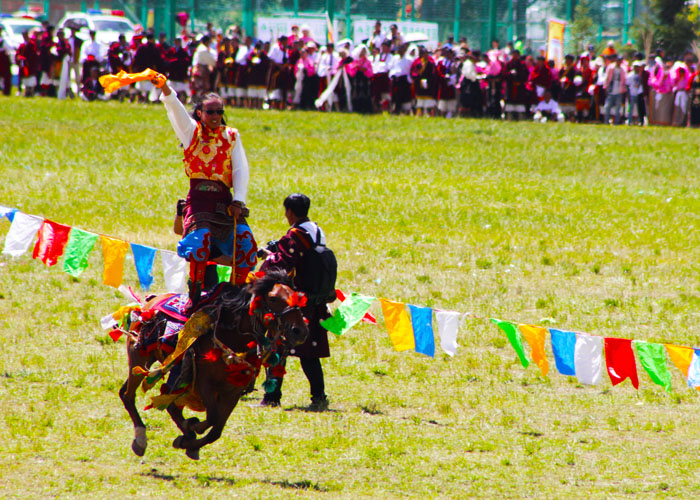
215 163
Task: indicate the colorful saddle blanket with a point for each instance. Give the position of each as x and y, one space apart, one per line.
174 306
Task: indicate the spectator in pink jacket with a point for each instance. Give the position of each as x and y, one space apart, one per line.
615 87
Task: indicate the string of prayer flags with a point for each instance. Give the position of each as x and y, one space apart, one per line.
144 257
653 360
535 337
588 359
564 347
398 324
619 359
367 318
174 271
348 313
52 241
113 251
422 321
21 234
513 335
77 251
448 326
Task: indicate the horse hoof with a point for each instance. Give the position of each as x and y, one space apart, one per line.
138 449
178 442
193 453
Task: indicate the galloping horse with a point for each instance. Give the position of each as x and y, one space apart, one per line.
236 332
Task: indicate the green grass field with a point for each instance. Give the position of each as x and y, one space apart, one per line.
587 228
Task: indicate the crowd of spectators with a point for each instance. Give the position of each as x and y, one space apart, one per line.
383 74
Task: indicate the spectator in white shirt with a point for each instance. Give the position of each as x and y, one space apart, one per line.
548 109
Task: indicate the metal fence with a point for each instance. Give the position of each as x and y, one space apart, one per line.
480 21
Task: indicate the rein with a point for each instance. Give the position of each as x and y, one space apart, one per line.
262 318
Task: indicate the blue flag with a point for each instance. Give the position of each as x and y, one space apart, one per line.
694 370
143 259
422 319
7 212
564 345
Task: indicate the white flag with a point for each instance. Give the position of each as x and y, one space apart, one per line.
21 234
448 325
174 271
588 359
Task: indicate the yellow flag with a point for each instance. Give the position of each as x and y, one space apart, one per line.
113 252
535 336
681 357
398 324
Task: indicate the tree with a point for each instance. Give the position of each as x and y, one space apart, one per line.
644 28
582 29
674 30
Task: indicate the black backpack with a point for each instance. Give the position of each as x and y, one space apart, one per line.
319 272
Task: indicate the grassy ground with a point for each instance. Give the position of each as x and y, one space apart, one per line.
585 227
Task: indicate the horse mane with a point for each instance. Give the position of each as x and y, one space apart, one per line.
238 299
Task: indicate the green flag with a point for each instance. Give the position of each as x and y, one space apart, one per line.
224 273
513 334
80 244
653 359
348 313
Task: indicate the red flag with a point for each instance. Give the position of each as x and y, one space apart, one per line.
619 359
52 241
367 318
115 334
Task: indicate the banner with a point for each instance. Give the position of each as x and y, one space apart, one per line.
555 41
363 29
268 29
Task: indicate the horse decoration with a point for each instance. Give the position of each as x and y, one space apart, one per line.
212 356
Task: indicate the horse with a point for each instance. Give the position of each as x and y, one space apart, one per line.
224 343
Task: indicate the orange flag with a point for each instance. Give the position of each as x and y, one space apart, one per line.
114 252
398 324
121 79
681 357
535 336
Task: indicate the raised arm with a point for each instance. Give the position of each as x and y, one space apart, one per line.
183 124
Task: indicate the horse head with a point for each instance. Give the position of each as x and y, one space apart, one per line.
277 307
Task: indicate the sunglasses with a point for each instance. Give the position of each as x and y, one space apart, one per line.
214 111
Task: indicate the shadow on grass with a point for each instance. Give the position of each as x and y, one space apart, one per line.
306 409
304 484
201 478
158 475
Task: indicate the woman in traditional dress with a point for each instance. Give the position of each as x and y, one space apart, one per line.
425 82
360 72
662 102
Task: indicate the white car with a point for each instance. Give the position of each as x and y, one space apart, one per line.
12 28
107 27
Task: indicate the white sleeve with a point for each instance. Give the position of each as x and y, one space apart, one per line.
209 58
239 171
183 124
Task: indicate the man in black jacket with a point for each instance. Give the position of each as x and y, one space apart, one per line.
291 254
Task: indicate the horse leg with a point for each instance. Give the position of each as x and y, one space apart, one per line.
188 426
218 410
127 393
